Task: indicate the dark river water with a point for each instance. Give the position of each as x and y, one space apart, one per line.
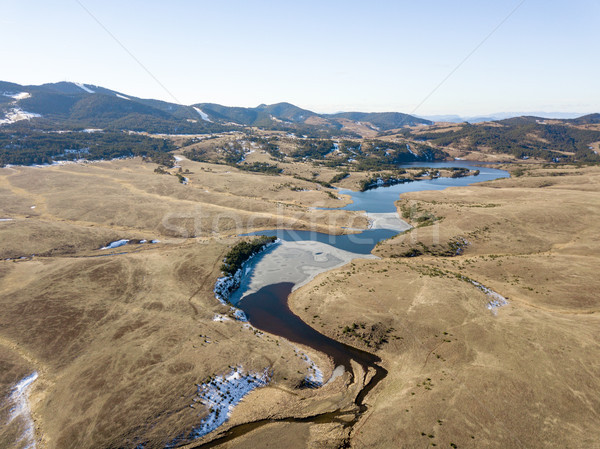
267 309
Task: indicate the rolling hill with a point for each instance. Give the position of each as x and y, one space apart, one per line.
383 121
68 105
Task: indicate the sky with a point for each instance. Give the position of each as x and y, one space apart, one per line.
435 57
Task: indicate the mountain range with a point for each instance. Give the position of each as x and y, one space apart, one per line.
67 105
76 106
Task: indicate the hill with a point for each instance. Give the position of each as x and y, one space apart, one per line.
74 106
521 137
590 119
382 120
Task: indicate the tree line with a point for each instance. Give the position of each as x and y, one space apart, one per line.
36 147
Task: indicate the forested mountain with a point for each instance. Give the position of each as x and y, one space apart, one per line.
67 105
73 106
590 119
522 137
381 120
277 115
281 114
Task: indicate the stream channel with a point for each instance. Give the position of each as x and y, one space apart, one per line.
272 276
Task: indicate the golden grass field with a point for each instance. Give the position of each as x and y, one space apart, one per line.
121 341
526 377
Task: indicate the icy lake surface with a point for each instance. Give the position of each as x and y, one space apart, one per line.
301 255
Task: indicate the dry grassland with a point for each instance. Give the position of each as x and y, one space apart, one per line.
121 341
526 377
121 337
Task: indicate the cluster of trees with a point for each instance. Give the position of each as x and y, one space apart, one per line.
461 172
241 252
370 155
268 145
313 149
260 167
316 181
37 147
381 180
231 154
339 177
197 154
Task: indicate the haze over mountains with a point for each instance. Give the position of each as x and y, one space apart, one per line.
68 105
452 118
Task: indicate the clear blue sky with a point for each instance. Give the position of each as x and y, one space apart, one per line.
322 55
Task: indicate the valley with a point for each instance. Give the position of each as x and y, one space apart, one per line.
410 288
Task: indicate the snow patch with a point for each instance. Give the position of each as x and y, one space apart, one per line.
496 299
203 114
275 119
116 244
219 396
334 149
82 86
337 372
17 114
123 97
17 96
19 400
314 379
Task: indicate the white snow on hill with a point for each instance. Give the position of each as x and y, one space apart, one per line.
19 401
315 375
219 396
17 96
123 97
16 115
82 86
116 244
496 299
204 115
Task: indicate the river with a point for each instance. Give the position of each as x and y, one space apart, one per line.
301 255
